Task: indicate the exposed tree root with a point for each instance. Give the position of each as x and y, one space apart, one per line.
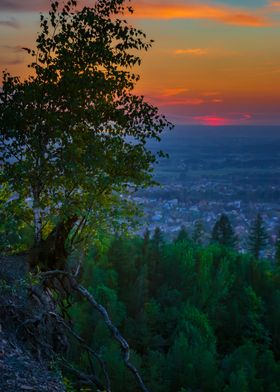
83 292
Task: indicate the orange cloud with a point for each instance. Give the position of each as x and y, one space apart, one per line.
210 93
170 92
275 3
226 15
192 52
217 100
184 101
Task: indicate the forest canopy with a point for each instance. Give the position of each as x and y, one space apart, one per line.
199 318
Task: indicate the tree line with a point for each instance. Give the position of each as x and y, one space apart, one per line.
223 233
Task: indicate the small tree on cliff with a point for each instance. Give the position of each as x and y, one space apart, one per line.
73 135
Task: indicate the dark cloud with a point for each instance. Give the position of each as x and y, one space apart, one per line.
244 3
13 61
12 22
11 48
24 5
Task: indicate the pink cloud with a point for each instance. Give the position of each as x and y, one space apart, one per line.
216 121
213 121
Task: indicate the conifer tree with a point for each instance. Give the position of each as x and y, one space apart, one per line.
258 236
197 235
155 256
182 235
157 238
146 242
223 232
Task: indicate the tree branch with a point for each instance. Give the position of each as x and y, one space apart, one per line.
86 347
103 312
85 379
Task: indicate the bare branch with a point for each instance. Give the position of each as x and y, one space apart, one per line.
85 379
115 332
103 312
86 347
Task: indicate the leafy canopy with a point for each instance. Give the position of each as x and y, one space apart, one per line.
73 135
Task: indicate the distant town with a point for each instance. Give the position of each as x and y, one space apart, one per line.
205 177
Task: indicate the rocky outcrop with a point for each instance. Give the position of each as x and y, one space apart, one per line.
27 336
19 371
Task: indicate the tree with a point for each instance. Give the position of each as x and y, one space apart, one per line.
157 239
197 235
223 232
182 235
73 135
258 237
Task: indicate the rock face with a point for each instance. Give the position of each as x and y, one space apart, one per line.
25 331
20 372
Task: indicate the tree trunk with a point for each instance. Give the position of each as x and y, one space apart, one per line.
51 253
37 213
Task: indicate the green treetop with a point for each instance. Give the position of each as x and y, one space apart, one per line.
198 232
258 237
182 235
223 232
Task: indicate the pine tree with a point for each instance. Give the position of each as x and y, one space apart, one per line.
155 255
157 239
258 236
197 235
223 232
182 235
146 242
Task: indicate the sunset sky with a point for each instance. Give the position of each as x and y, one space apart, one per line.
213 62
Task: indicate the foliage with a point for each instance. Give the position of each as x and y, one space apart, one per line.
258 237
73 135
223 232
182 235
15 230
198 318
198 232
